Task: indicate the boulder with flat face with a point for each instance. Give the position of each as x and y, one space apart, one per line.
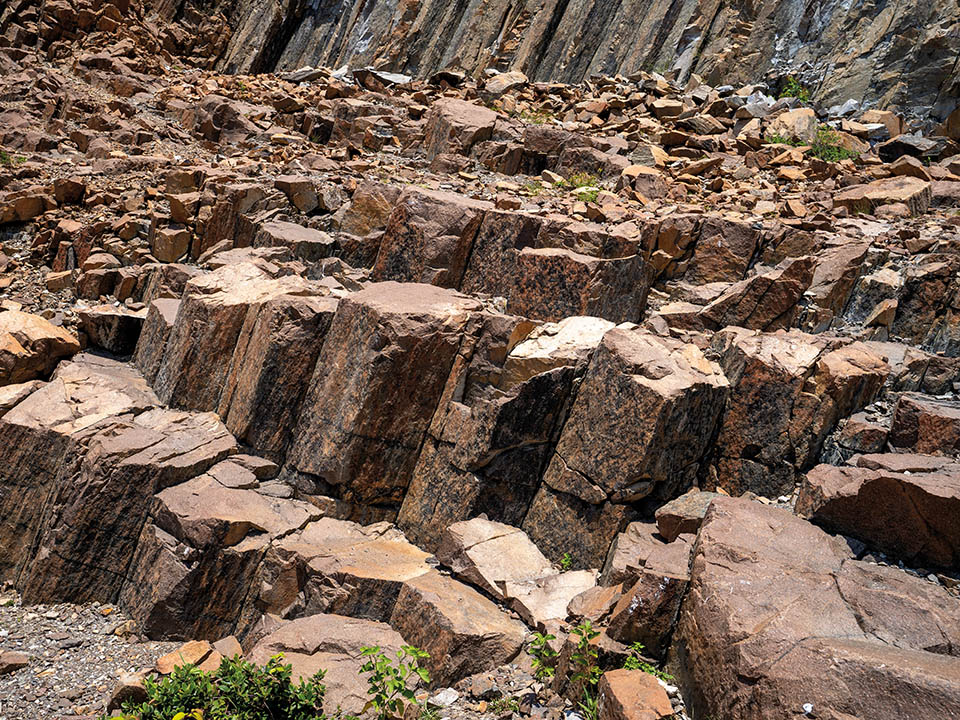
632 695
665 396
334 644
925 424
198 553
542 600
152 341
925 305
464 632
908 509
39 432
274 358
31 346
304 243
910 191
779 614
684 514
386 342
455 126
429 237
115 329
335 566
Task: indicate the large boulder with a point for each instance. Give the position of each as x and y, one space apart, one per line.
632 695
31 346
779 615
455 126
386 342
661 393
905 505
926 424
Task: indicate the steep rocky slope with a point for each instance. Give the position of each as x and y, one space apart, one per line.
308 361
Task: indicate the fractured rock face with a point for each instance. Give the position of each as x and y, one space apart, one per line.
910 509
660 392
377 383
926 425
779 614
31 346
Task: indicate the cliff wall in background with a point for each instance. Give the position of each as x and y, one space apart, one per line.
888 54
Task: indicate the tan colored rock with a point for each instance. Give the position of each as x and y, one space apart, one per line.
910 191
463 631
926 425
31 346
683 514
191 653
799 125
632 695
490 555
540 600
456 126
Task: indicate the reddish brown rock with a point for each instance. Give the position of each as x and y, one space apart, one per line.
112 328
684 514
660 392
909 191
723 251
778 615
304 243
913 514
30 346
152 342
387 341
925 424
429 237
463 631
456 126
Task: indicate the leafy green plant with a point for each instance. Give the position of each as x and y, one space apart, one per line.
781 140
543 655
536 117
5 158
503 705
390 687
826 146
588 195
429 713
586 670
793 88
566 562
533 188
635 661
237 690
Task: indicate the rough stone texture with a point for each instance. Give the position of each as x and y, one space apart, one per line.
304 243
463 631
456 126
490 554
388 341
788 390
926 425
647 611
910 191
684 514
632 695
913 514
778 614
332 643
152 342
660 392
115 329
538 601
31 346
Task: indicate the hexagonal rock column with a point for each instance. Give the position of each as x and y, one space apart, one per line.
500 412
641 422
429 237
788 391
196 557
38 433
209 321
378 380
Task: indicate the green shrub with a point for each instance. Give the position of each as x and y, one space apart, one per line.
586 671
503 705
826 146
635 661
793 88
543 656
237 690
5 158
566 562
390 689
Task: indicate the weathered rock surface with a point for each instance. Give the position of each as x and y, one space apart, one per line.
30 346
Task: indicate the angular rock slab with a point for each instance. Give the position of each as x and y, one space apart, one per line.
464 632
378 380
778 615
332 643
662 394
30 346
927 425
632 695
913 514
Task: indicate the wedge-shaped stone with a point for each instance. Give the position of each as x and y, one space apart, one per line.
197 556
429 237
37 435
152 343
377 383
89 530
334 644
31 346
490 554
779 614
910 191
540 600
662 394
925 424
633 695
304 243
455 126
464 632
913 514
336 566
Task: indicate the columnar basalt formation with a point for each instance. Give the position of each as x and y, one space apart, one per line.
327 359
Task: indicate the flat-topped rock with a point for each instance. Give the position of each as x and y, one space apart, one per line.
30 346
